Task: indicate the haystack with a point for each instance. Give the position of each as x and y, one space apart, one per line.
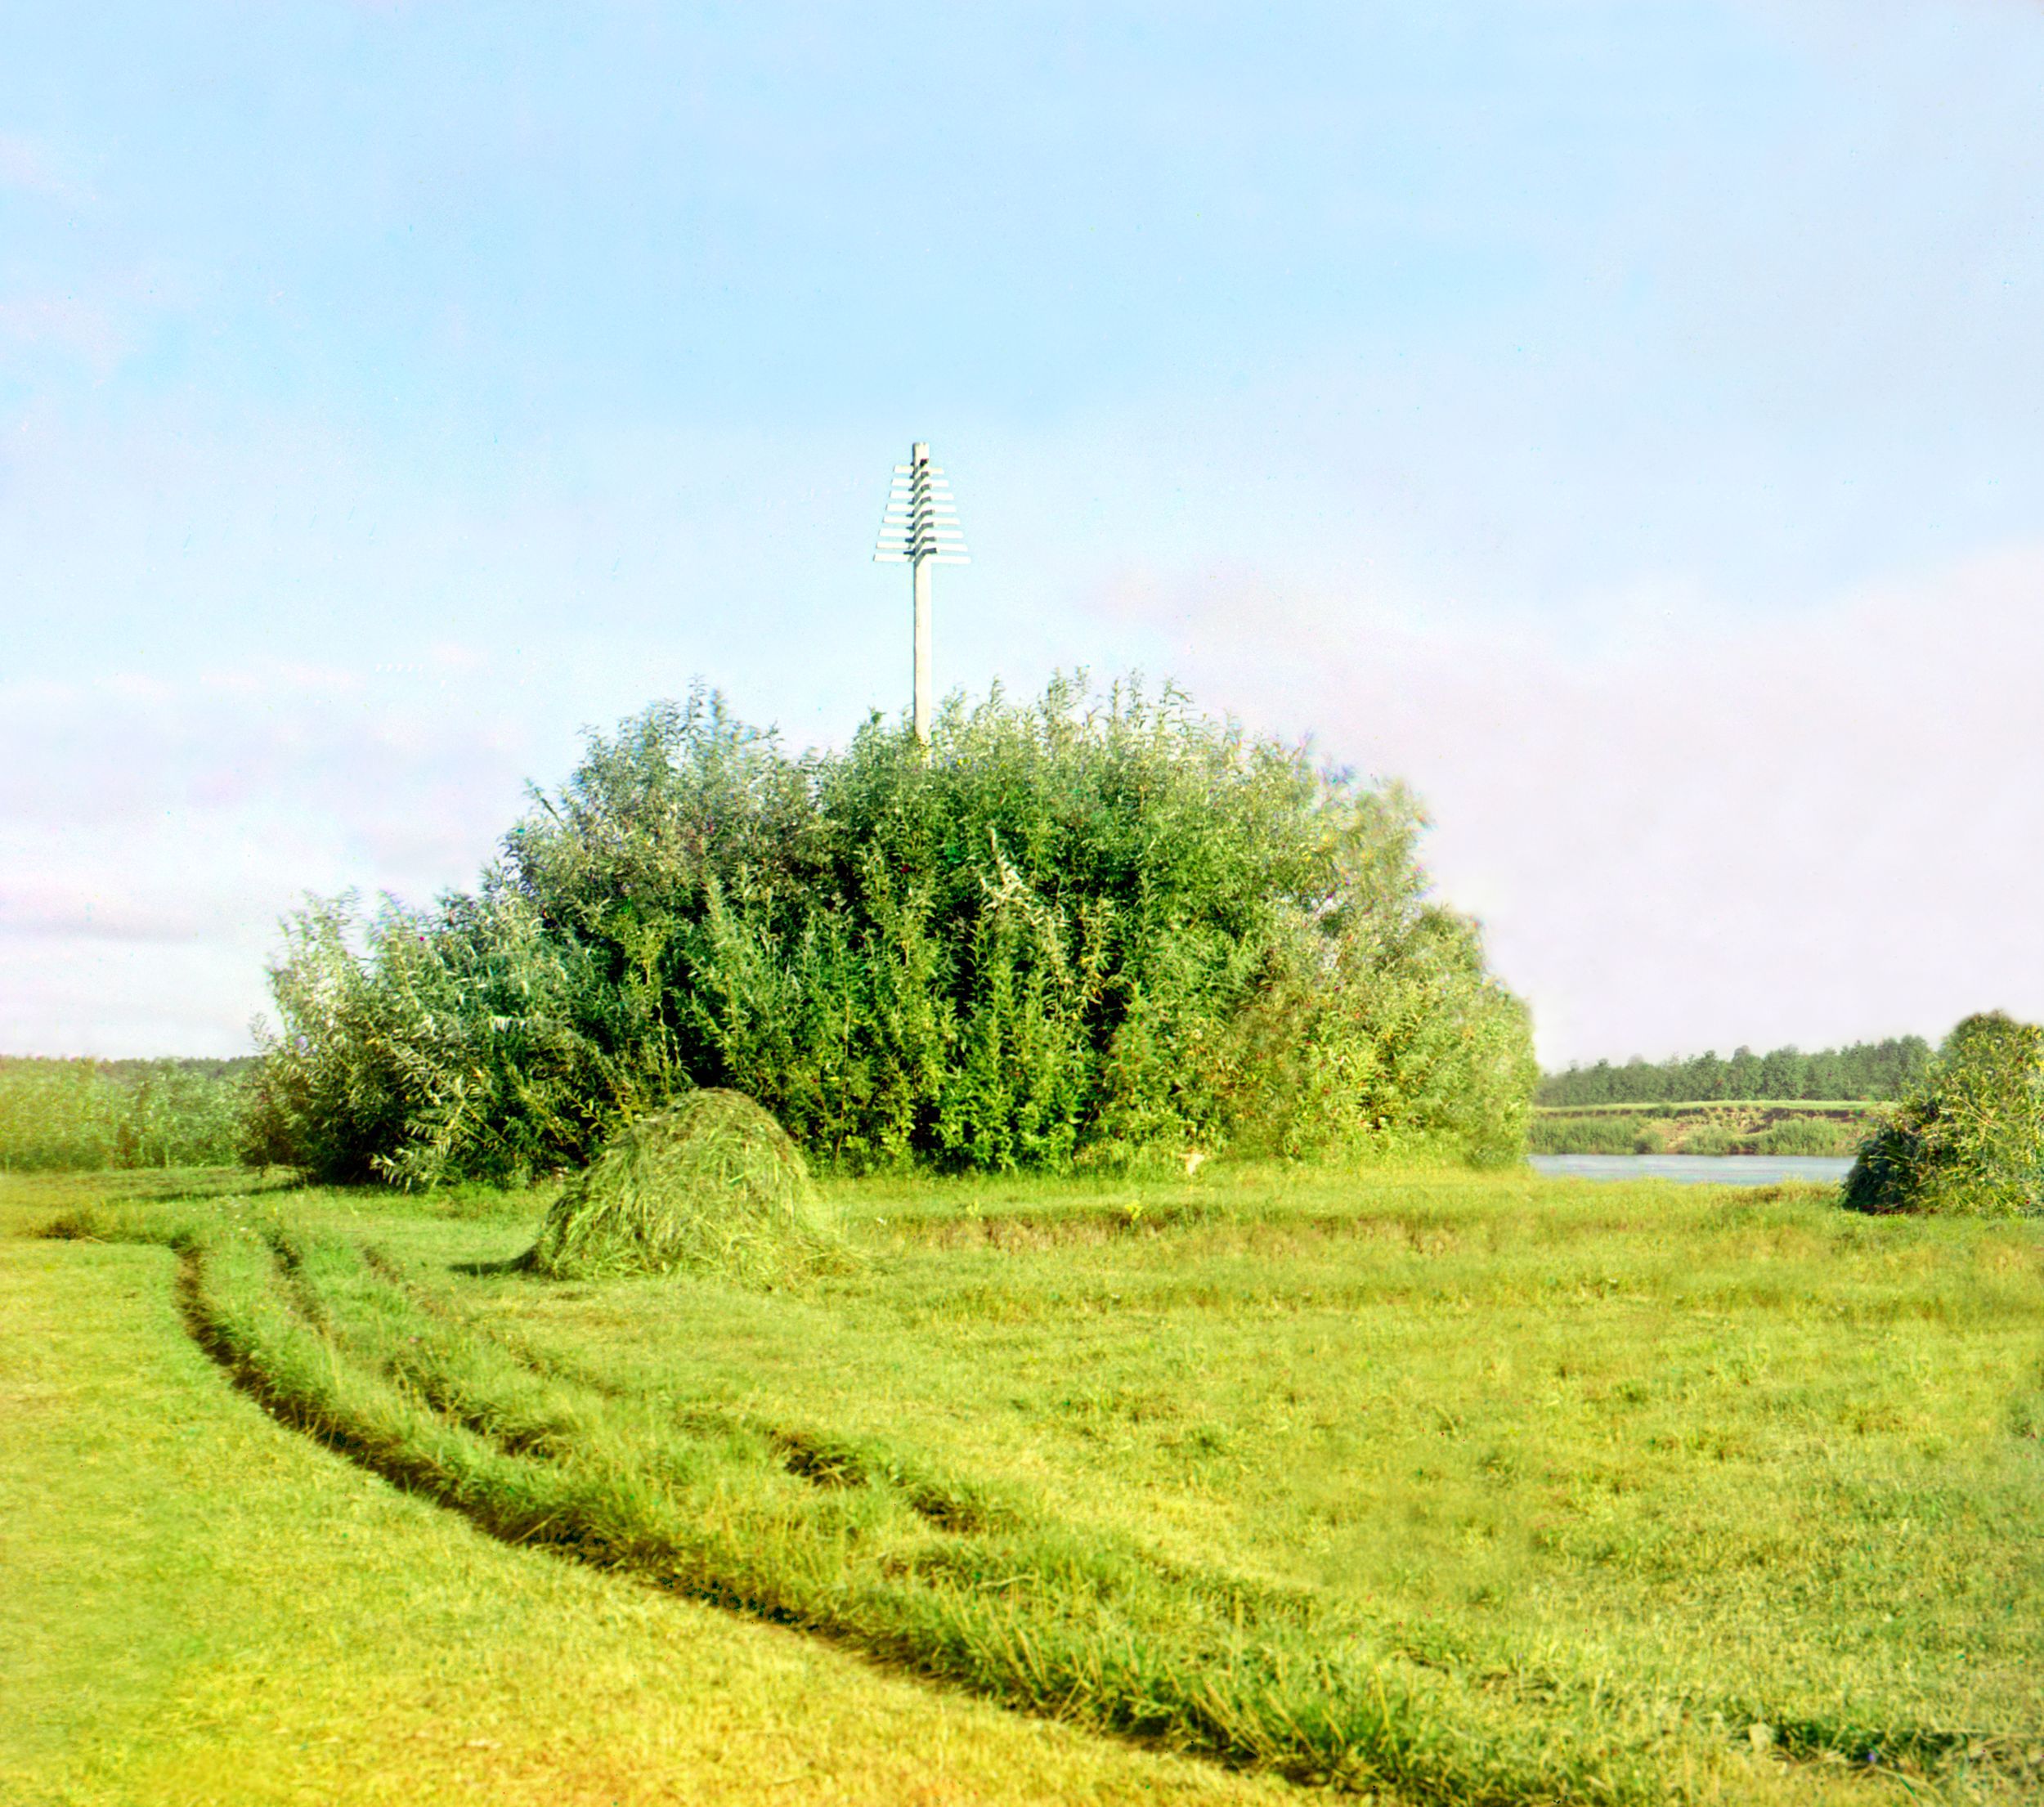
712 1186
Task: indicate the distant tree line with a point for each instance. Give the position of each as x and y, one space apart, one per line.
1874 1070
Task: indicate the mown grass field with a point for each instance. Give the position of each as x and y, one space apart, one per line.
199 1606
1441 1486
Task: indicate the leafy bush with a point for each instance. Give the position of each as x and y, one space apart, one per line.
1709 1138
1970 1139
1651 1138
1098 931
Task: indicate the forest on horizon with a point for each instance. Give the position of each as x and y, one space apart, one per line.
1875 1071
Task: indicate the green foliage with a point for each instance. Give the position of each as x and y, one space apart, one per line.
1710 1139
87 1116
712 1186
1865 1070
1970 1139
1651 1138
463 1042
1102 932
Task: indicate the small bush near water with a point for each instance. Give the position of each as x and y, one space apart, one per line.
1806 1136
712 1186
1089 932
1556 1135
1970 1139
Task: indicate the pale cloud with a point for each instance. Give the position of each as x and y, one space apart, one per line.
123 997
80 329
82 320
1705 828
30 167
153 830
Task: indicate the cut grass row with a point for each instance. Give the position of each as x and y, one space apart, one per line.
1803 1107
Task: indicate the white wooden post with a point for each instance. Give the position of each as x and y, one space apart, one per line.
919 461
920 529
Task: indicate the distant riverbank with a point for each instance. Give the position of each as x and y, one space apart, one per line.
1698 1169
1814 1127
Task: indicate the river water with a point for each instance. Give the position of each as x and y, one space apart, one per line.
1698 1169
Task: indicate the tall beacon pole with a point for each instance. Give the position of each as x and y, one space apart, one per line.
920 529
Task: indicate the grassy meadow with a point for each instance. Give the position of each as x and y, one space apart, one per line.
1440 1487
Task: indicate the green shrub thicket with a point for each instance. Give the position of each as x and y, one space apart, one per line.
85 1116
1080 931
1807 1136
1969 1139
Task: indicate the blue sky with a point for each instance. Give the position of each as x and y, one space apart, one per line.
1622 421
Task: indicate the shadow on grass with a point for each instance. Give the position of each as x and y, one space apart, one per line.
494 1270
